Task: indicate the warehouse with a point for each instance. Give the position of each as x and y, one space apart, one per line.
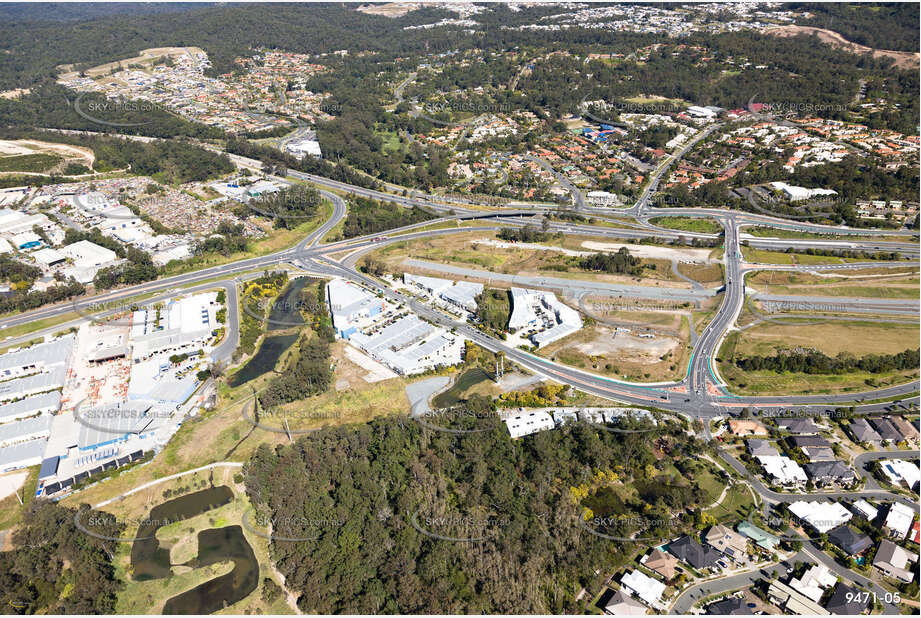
26 430
103 426
22 455
30 406
349 303
36 359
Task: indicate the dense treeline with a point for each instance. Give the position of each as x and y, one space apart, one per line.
367 216
881 25
54 568
227 239
19 274
371 494
167 162
526 233
289 207
814 362
616 263
310 375
50 105
277 162
19 301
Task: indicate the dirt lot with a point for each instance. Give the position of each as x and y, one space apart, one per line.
145 57
903 60
597 348
654 252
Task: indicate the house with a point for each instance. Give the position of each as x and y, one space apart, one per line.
865 510
801 442
762 538
818 453
746 427
814 581
822 516
783 595
915 535
847 600
885 429
849 541
899 520
893 560
907 429
661 563
691 551
649 590
830 472
731 606
862 432
783 470
622 604
761 448
728 542
798 425
901 472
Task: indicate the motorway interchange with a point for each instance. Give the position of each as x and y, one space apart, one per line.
701 394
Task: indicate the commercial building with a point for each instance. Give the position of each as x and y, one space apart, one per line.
460 294
105 426
821 516
527 423
184 325
396 338
795 194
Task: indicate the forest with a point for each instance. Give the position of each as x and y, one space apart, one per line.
367 216
289 207
371 496
54 568
815 362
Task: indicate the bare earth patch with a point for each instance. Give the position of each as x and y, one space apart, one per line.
654 252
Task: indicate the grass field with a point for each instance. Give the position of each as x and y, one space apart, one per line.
897 284
463 383
827 337
703 273
761 256
776 232
37 163
10 509
701 225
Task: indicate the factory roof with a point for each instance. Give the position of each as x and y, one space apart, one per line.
24 430
30 405
50 353
101 424
14 389
23 452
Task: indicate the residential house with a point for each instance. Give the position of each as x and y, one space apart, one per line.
847 600
761 448
893 560
830 473
622 604
908 430
885 429
762 538
731 606
795 602
692 552
865 509
862 432
649 590
802 442
848 540
728 542
899 520
798 425
818 453
661 563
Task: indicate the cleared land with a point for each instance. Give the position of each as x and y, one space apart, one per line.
598 348
761 256
903 60
884 285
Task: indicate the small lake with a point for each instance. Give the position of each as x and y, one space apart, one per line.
284 315
151 560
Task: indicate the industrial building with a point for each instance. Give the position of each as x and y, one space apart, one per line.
30 406
22 455
34 428
396 338
184 325
526 423
37 369
459 294
105 426
542 317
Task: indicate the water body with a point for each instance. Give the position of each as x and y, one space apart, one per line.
219 545
284 315
150 560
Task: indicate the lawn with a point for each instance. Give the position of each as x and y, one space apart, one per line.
701 225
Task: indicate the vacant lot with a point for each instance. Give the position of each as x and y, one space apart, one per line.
598 349
887 283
